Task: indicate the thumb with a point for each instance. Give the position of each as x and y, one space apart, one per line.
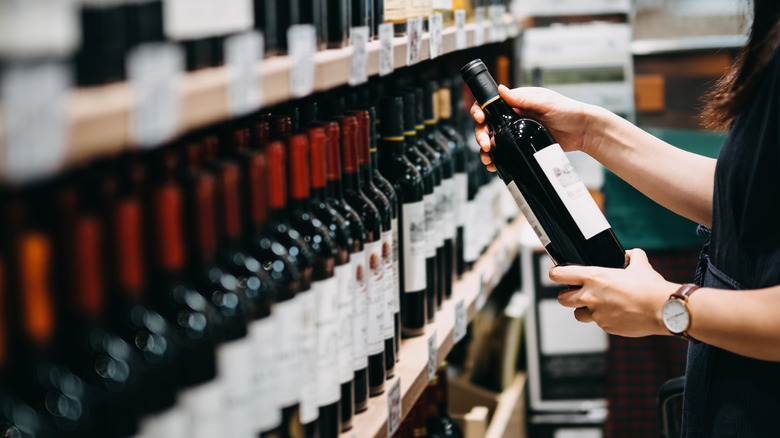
527 99
636 257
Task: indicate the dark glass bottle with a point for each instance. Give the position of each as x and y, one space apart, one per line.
339 20
101 55
266 22
335 196
426 170
408 185
444 424
341 235
535 169
372 273
385 208
322 354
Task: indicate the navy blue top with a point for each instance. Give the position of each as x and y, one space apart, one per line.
728 395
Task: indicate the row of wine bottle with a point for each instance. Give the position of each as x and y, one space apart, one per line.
253 279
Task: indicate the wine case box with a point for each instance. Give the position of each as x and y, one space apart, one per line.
506 411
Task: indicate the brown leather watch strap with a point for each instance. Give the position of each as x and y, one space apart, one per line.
683 293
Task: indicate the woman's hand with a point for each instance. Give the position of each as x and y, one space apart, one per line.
624 302
573 124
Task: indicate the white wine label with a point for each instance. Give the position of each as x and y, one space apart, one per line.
414 30
438 216
414 246
471 248
479 32
461 198
389 285
434 30
309 408
302 43
433 355
571 190
345 323
328 382
460 29
289 343
376 297
267 413
431 238
450 224
386 54
396 269
40 29
459 330
359 310
528 213
243 54
358 39
203 404
234 361
394 412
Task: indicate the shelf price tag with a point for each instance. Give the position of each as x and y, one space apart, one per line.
481 299
459 331
460 29
414 30
386 54
435 29
35 128
358 39
153 71
479 20
243 53
433 356
302 45
394 412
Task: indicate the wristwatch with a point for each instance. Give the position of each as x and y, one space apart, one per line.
676 314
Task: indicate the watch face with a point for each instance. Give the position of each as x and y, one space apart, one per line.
675 316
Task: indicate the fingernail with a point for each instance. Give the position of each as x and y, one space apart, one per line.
502 87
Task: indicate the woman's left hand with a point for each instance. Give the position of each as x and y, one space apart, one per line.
625 302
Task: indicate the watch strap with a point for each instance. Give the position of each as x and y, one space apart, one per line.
683 293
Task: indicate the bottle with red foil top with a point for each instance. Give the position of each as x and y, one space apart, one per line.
335 197
373 270
382 204
340 234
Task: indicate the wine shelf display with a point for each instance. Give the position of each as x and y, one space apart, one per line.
98 118
471 290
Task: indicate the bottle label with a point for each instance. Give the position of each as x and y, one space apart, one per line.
414 246
264 332
438 218
345 323
376 297
309 409
528 213
431 240
289 344
450 225
359 310
571 190
203 404
461 198
234 361
390 285
328 342
396 269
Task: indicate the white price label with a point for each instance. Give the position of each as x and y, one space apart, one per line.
479 20
394 412
435 29
460 29
433 356
414 30
302 45
243 52
358 39
153 71
386 55
481 299
459 331
34 126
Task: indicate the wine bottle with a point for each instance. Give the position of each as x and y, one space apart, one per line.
335 196
322 348
341 235
372 274
408 185
445 425
541 179
385 209
339 21
425 168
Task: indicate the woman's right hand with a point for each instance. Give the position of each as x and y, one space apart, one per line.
573 124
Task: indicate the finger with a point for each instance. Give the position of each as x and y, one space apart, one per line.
485 157
570 298
583 314
572 275
477 114
483 138
491 167
636 257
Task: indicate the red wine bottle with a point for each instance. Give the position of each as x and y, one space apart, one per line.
335 196
382 204
372 272
408 185
541 179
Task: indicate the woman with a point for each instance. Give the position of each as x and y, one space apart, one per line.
733 374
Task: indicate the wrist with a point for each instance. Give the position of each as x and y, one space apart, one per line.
599 131
663 296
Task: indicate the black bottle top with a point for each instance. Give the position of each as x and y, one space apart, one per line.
483 87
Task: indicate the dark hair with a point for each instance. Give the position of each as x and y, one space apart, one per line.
727 98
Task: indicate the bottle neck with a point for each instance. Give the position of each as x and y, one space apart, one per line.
302 205
335 189
317 194
351 180
497 111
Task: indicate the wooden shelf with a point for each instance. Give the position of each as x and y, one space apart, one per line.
412 369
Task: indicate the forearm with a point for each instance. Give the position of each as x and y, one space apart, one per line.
743 322
678 180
